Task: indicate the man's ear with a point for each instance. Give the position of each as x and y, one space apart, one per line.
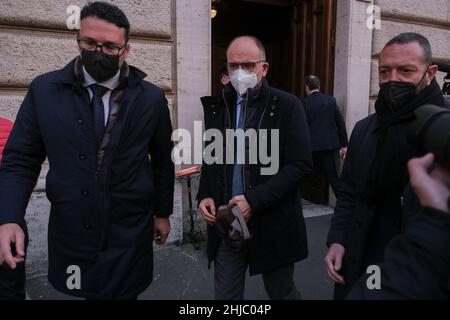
431 73
76 39
265 69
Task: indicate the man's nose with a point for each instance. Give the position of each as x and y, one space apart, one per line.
393 75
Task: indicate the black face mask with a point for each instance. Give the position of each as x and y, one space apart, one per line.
100 66
396 94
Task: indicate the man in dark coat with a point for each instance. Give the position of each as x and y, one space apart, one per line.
369 212
326 129
417 262
270 203
97 121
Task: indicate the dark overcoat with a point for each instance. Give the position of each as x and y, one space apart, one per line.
100 222
326 125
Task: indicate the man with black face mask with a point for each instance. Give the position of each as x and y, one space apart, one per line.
97 121
368 213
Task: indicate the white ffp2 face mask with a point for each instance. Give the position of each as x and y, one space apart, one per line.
242 80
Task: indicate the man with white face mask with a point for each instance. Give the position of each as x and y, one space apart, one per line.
270 204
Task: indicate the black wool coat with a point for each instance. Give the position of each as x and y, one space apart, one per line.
277 224
102 223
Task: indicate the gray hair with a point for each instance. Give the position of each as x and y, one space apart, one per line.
312 82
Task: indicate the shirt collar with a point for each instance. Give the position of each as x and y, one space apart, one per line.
111 84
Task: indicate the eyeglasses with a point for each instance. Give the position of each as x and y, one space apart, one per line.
106 48
248 65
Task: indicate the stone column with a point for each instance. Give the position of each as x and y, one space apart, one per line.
352 60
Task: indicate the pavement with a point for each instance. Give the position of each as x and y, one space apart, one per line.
181 272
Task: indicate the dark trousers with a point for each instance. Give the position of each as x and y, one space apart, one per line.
230 267
326 161
12 282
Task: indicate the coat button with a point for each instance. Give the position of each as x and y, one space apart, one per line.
271 114
87 226
84 193
82 157
250 186
275 98
80 121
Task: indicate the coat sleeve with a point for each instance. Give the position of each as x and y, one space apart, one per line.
203 188
416 264
295 166
163 168
342 132
23 156
343 212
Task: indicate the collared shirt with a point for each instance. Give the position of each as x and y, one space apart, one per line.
111 84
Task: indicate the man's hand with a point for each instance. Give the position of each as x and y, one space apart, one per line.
208 210
162 229
246 210
11 233
333 259
432 189
343 152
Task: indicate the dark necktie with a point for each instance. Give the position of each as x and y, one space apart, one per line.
99 111
238 183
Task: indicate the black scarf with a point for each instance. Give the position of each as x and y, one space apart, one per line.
387 175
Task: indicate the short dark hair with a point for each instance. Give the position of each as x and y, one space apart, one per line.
258 43
107 12
312 82
409 37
